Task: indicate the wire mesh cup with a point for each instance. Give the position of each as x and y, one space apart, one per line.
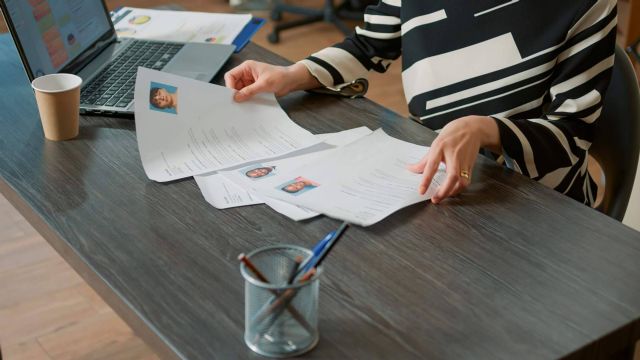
281 319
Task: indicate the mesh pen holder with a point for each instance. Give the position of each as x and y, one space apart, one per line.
280 320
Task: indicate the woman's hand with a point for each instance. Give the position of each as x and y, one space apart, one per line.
457 146
252 77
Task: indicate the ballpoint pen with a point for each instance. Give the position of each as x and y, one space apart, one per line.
327 248
294 270
315 262
294 313
284 300
272 321
323 248
317 250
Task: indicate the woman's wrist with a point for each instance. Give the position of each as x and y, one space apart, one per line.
300 78
489 132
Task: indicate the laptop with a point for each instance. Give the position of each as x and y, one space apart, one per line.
78 37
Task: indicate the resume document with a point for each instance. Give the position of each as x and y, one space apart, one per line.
231 188
362 182
187 127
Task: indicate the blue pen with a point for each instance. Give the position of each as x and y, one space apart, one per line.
317 250
320 252
317 259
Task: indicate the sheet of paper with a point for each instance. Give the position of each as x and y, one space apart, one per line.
293 212
186 127
181 26
271 173
224 193
362 182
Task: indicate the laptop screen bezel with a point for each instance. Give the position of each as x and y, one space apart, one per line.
80 60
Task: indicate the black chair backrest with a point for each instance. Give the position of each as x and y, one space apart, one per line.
617 137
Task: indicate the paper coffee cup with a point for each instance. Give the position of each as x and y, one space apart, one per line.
58 98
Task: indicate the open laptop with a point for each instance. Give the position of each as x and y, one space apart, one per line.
78 37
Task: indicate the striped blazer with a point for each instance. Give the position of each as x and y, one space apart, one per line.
539 68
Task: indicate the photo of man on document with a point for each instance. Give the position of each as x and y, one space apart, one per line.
258 171
298 186
163 98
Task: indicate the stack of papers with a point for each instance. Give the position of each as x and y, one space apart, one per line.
240 184
180 26
361 182
252 153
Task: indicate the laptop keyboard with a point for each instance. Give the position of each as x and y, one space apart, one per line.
114 85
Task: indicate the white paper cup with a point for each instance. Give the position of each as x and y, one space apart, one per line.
58 99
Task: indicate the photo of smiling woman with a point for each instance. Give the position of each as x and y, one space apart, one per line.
163 98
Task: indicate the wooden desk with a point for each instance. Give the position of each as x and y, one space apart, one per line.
510 270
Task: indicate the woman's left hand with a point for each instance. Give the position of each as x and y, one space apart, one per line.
457 146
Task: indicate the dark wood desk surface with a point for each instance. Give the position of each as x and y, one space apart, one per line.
510 270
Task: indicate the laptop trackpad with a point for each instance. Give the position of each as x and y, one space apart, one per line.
199 61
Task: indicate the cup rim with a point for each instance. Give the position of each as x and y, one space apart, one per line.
76 78
250 278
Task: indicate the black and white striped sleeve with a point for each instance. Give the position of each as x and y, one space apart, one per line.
553 149
372 47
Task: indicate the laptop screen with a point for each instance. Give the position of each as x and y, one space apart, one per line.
52 33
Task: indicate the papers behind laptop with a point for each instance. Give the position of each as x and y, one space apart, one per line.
362 182
187 127
180 26
234 188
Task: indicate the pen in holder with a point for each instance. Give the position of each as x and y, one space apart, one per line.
281 318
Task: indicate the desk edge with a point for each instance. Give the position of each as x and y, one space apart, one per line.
140 327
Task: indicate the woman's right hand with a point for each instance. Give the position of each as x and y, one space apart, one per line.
252 77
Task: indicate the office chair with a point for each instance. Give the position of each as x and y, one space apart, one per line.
348 9
617 137
634 50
